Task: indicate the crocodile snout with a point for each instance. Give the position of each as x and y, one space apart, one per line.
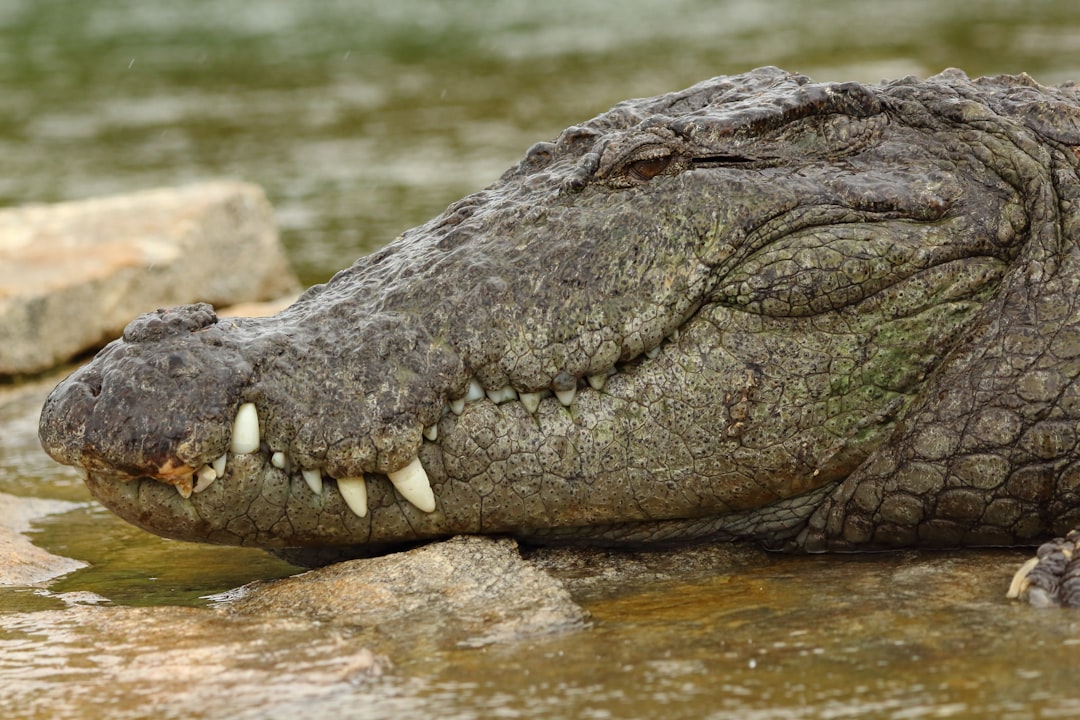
130 412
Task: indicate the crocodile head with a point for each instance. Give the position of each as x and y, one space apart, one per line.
693 308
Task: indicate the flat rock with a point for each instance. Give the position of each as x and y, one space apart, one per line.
21 562
73 274
465 591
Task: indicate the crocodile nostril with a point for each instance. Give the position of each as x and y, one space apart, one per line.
165 323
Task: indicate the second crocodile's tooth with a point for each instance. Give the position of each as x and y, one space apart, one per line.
354 492
431 432
279 460
219 464
531 401
503 394
245 435
457 406
204 477
475 391
566 397
412 482
653 353
313 478
597 381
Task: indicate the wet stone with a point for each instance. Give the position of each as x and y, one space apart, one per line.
468 590
72 275
22 563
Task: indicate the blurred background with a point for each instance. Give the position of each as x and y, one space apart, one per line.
364 118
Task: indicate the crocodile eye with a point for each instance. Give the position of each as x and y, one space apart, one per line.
647 168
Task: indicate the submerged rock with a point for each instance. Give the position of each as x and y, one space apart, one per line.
465 591
21 562
73 274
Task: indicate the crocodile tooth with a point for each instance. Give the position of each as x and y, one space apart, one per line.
566 396
475 391
204 476
504 394
597 381
431 432
457 406
314 480
184 485
653 353
219 464
354 492
674 336
279 460
245 435
531 401
412 482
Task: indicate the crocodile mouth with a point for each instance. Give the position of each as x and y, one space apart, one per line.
250 455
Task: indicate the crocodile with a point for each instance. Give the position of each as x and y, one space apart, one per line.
820 316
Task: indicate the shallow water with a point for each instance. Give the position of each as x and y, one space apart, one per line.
362 119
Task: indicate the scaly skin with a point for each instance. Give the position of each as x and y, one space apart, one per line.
823 316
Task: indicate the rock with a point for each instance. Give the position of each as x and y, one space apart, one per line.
72 275
465 591
22 563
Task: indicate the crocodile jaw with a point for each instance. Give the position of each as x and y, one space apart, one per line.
567 348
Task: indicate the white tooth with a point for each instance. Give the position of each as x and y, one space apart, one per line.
204 477
219 464
651 354
457 406
566 396
279 460
245 434
354 492
597 381
475 391
531 401
674 336
314 480
431 432
412 482
502 395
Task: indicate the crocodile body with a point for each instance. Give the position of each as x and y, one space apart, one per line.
817 315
